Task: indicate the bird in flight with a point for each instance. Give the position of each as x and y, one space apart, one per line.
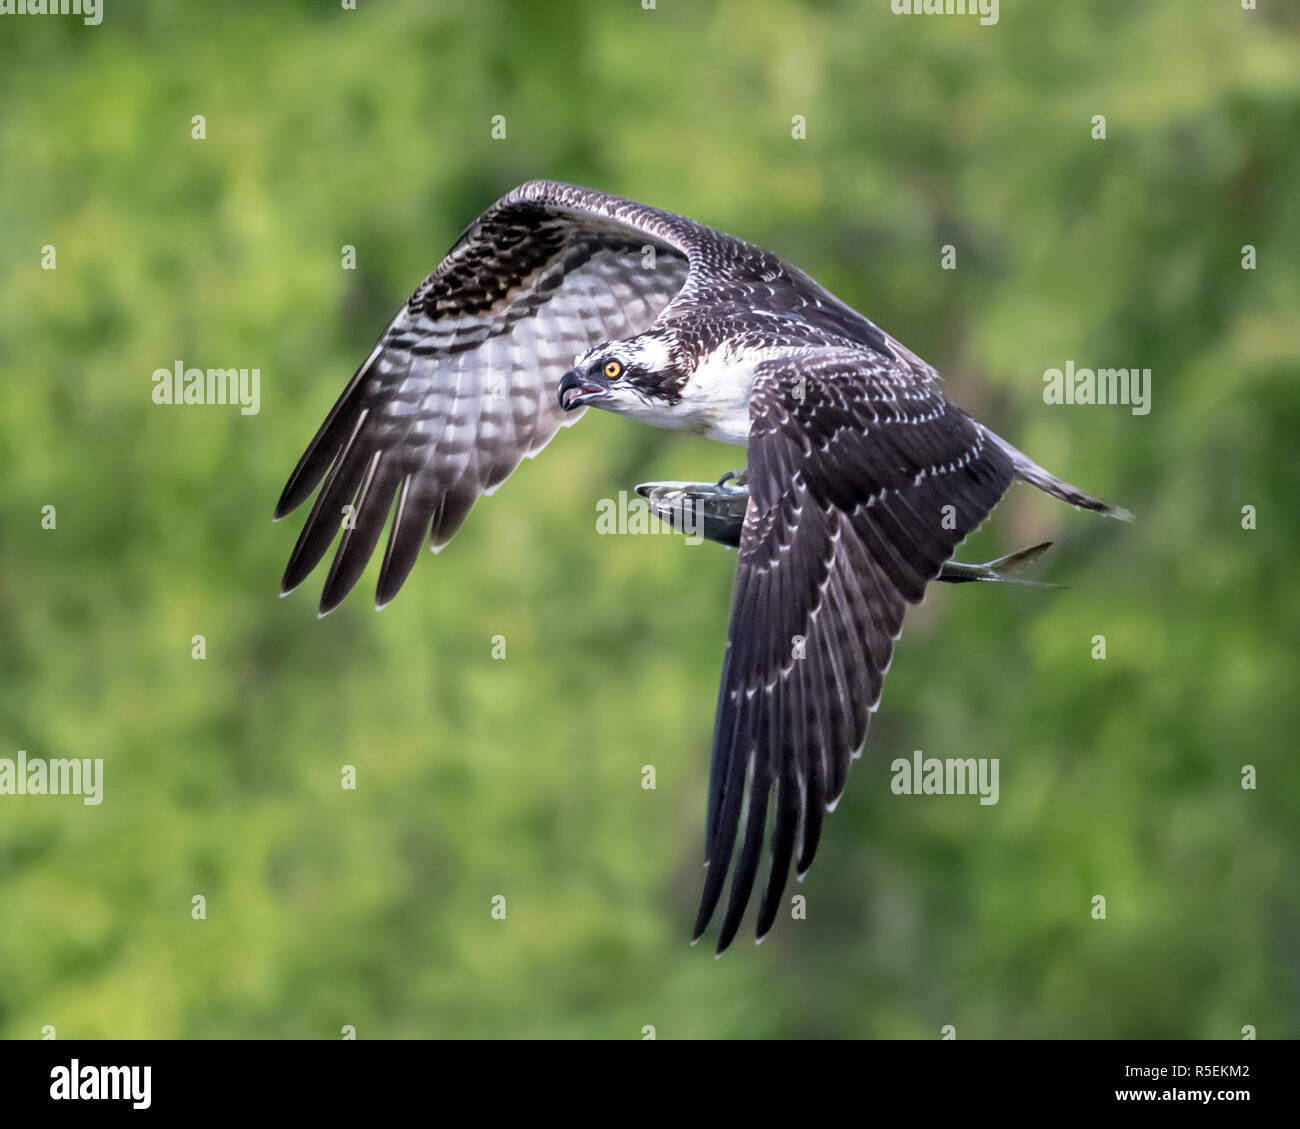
861 481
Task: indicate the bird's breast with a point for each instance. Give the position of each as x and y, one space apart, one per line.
716 399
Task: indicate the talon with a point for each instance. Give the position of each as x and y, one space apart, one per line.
737 478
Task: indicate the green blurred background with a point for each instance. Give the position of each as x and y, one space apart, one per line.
522 777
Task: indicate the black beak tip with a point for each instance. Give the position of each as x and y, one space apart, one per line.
569 381
575 388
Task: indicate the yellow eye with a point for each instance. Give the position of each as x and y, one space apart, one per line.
613 370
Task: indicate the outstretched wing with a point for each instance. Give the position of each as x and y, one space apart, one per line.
863 480
461 386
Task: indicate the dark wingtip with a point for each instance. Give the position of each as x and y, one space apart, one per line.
709 898
327 604
296 491
289 582
343 575
735 914
296 571
396 568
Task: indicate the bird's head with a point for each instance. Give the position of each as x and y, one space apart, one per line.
636 377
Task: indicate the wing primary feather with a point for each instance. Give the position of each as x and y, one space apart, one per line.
326 515
837 735
787 710
405 540
784 829
848 615
746 869
722 726
361 534
750 715
724 838
325 444
814 808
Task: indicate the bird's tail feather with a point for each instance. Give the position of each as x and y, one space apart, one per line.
1029 471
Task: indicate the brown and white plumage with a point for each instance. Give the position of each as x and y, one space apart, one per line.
461 386
862 478
852 463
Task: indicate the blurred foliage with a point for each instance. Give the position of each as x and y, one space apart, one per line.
522 777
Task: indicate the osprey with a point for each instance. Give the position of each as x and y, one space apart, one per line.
862 479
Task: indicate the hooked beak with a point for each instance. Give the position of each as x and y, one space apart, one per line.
577 390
